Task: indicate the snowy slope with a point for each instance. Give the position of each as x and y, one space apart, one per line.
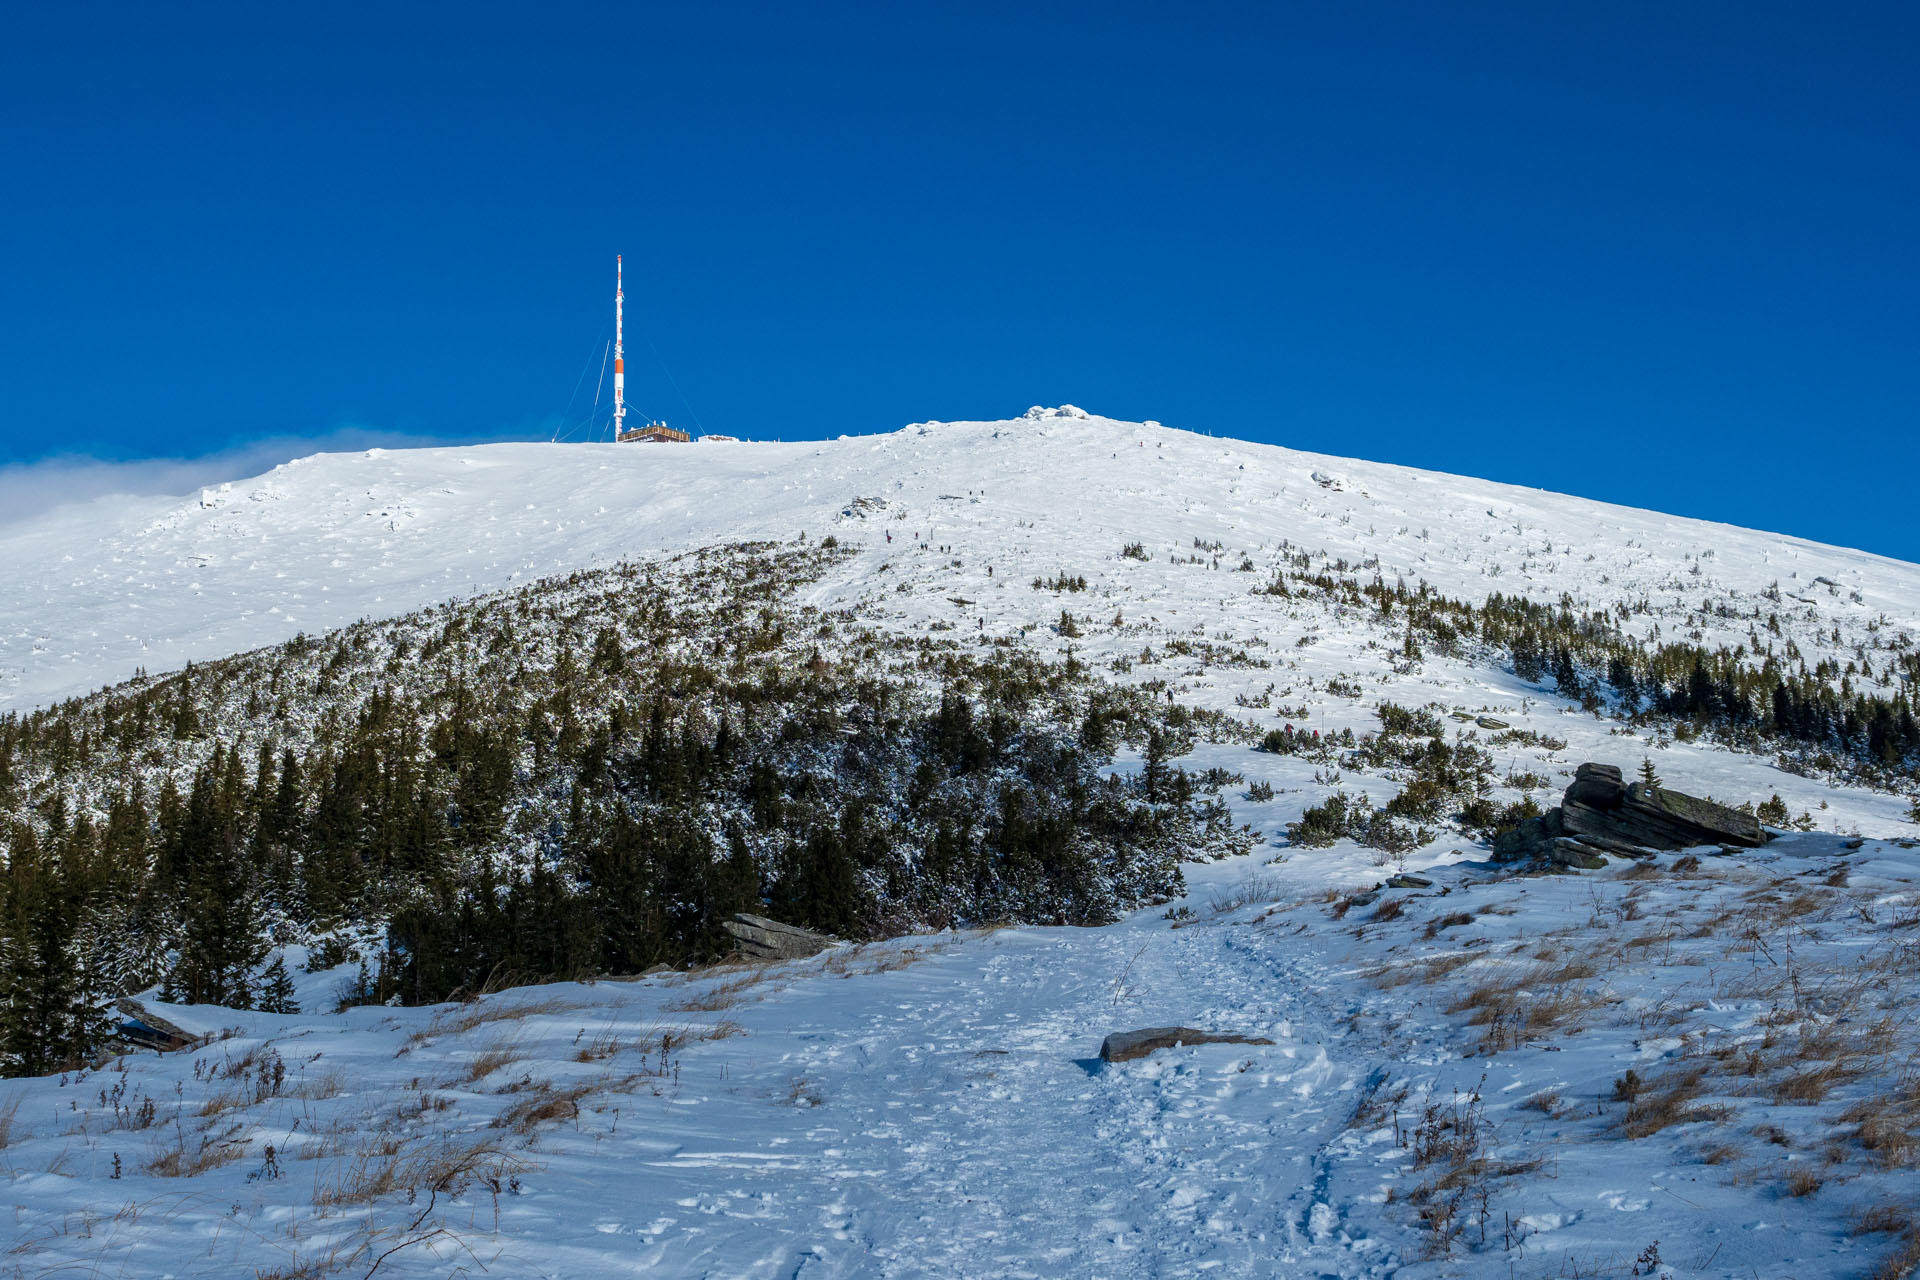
932 1106
98 591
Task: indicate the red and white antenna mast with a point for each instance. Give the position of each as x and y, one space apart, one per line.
619 353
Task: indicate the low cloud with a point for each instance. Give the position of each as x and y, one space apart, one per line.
30 488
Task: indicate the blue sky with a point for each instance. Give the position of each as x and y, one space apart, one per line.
1657 254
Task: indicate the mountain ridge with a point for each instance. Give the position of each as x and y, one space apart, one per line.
322 541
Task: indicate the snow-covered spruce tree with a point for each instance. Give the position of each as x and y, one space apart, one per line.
49 1017
276 988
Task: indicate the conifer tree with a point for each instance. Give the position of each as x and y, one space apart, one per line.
47 1015
221 942
276 988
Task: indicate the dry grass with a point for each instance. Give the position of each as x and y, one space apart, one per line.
1391 909
447 1167
865 959
1883 1219
1347 901
482 1013
1816 1012
544 1105
1517 1008
1667 1101
724 995
1811 1084
1887 1125
1449 1142
1261 886
8 1111
319 1087
1452 920
485 1063
188 1156
1902 1262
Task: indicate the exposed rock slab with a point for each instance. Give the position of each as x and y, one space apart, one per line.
1602 813
1600 804
146 1029
759 938
1529 839
1125 1046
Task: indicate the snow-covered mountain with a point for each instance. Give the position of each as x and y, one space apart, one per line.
1692 1066
100 590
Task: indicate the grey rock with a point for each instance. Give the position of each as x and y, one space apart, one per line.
146 1029
1409 882
1597 786
1602 814
1488 722
1569 852
1607 844
1529 839
1601 807
759 938
1125 1046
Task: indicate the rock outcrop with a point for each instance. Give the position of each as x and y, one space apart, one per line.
1125 1046
1601 813
145 1029
1602 805
759 938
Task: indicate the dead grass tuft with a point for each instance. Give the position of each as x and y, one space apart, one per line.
1514 1010
8 1110
486 1062
190 1155
726 994
1902 1262
864 959
1887 1125
318 1088
483 1012
545 1105
1452 920
1812 1084
1451 1142
1668 1101
1883 1219
389 1166
1391 909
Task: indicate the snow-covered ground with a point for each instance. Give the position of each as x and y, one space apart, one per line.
96 591
934 1106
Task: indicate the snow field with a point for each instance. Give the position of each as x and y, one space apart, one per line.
932 1106
935 1106
317 543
